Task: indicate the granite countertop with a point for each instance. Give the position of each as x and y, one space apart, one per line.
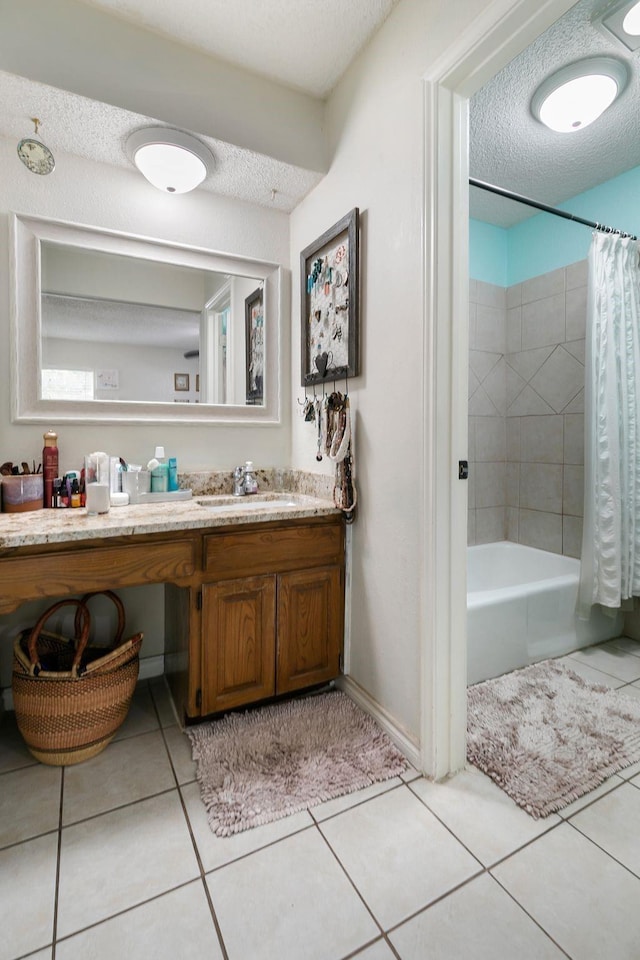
75 524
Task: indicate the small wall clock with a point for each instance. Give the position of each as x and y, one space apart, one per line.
36 155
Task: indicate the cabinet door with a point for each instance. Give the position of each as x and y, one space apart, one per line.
310 627
238 642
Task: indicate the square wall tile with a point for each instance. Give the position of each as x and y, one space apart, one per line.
573 490
541 439
577 274
543 322
490 439
513 533
491 329
539 529
514 295
576 302
514 329
559 379
491 295
490 524
541 487
574 438
490 485
514 432
544 285
513 484
471 528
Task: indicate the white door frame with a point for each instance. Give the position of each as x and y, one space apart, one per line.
503 29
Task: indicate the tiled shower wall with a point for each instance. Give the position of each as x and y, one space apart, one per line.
526 405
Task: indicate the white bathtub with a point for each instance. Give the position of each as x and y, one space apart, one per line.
521 608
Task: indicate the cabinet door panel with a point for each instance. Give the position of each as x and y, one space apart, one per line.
310 627
238 642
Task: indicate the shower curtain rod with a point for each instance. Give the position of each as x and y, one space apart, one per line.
501 192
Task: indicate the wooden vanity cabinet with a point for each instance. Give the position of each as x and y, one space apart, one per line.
280 629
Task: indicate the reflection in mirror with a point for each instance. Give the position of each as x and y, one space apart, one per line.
122 328
113 327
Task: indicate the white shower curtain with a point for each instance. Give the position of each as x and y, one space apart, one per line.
610 562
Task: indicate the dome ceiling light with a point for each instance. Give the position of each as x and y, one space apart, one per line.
578 93
622 20
173 161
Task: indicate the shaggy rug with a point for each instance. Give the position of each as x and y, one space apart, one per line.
264 764
546 736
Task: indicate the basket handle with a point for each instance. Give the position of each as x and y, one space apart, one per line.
119 607
82 626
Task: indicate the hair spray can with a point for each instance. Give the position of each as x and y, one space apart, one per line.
49 465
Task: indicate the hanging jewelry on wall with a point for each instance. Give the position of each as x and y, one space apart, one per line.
35 154
329 302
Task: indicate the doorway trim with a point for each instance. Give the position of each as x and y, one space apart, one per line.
497 35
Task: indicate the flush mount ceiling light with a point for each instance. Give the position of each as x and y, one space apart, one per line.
579 93
622 20
173 161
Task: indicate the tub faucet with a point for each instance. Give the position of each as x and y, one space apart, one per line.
238 482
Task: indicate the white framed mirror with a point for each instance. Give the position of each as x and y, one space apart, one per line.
112 327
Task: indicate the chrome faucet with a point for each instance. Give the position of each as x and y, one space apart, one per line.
238 482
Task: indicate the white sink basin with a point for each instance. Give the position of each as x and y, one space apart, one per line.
250 502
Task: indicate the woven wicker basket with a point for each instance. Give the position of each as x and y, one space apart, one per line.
70 698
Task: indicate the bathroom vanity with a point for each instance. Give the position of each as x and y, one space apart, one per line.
254 595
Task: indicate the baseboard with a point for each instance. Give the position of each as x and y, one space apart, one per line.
149 667
402 739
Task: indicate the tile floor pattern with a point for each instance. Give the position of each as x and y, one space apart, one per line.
114 859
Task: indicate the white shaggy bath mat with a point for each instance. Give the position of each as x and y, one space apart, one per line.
264 764
546 736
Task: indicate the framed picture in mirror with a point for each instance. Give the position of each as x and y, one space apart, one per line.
329 303
181 381
254 340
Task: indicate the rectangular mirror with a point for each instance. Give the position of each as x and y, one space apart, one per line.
114 327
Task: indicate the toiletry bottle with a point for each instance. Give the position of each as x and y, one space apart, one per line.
250 482
159 472
173 474
75 493
49 465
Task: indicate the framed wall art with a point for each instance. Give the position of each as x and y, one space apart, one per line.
181 381
329 303
254 345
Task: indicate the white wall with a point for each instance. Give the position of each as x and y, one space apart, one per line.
375 123
119 199
144 373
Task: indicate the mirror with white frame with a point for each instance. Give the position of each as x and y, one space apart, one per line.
113 327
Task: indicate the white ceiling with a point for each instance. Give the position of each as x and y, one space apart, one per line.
298 43
308 46
510 148
304 44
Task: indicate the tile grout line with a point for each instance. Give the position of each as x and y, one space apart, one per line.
203 880
602 849
56 896
360 897
526 912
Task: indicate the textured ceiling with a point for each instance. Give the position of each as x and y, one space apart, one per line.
302 43
510 148
98 131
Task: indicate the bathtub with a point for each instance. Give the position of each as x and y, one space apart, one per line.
521 608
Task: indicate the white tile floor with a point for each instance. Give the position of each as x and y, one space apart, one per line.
114 859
